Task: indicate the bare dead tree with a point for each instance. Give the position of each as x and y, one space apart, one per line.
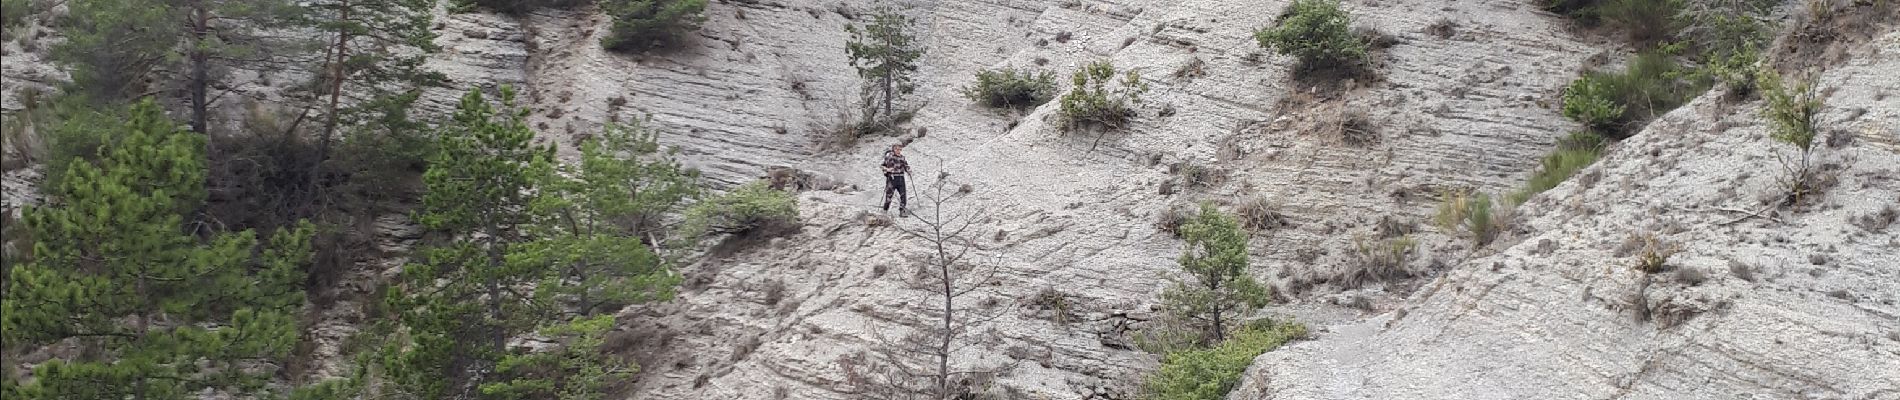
918 365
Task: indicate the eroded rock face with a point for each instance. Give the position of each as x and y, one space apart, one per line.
1760 301
1551 315
1064 212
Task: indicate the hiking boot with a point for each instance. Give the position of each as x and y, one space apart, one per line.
901 212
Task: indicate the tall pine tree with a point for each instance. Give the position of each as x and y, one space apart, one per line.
372 65
162 309
538 248
114 47
463 300
1219 289
885 53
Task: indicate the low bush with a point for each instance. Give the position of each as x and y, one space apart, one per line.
1655 255
1618 104
1194 176
1166 334
1728 41
1588 101
577 368
1380 259
1170 220
1209 374
646 24
748 208
1646 22
1093 102
1558 166
1318 32
1581 10
13 13
1057 303
1258 214
1471 212
1011 87
1791 113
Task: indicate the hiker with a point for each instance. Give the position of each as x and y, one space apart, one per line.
895 168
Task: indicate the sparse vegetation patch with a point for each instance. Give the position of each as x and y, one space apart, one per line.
1210 373
1093 101
645 24
1791 113
1319 33
1011 88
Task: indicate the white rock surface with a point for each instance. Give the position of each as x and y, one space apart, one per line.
1072 219
1547 316
1798 304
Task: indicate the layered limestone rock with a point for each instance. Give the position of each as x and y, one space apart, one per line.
766 83
1759 301
1063 212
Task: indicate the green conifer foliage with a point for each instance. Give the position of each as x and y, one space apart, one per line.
462 300
166 309
536 247
885 53
1220 290
111 46
647 24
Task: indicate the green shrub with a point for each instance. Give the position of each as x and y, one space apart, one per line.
1728 41
646 24
1736 71
1316 31
1219 290
1646 22
1651 85
747 208
1167 334
1581 10
1092 102
1011 87
1380 259
1589 102
576 370
1791 113
1557 166
12 13
1472 213
1582 140
1209 374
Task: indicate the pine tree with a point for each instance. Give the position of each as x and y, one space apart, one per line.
884 52
537 248
1216 259
114 45
164 309
461 301
645 24
577 370
593 217
373 66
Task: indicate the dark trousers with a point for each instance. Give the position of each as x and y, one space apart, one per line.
895 183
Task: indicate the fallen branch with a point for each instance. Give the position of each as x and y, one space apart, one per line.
1748 214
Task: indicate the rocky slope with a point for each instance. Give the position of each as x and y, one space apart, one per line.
1761 301
765 83
1063 213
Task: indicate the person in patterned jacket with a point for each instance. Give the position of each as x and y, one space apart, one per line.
895 169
